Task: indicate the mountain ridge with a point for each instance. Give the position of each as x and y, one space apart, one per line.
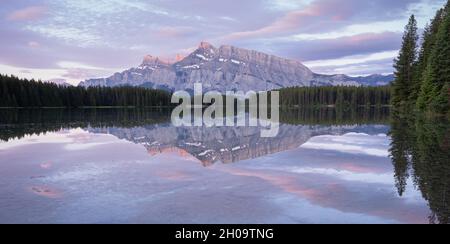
228 68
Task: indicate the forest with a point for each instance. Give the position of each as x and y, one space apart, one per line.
422 68
338 96
17 92
420 148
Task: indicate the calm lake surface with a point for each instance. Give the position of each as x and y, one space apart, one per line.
133 166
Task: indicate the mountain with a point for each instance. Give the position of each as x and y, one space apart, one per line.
375 80
223 69
59 82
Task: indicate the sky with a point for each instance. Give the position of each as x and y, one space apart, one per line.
74 40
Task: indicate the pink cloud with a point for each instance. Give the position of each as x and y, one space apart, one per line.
33 44
319 11
46 165
323 15
28 13
85 73
366 37
173 32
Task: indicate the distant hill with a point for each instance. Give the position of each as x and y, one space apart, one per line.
59 82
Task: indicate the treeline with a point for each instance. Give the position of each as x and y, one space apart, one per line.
348 96
17 92
423 73
16 123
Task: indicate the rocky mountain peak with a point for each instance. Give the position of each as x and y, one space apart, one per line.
206 45
179 57
150 60
256 57
206 52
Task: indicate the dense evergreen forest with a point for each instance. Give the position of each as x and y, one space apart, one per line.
423 73
338 96
420 143
17 92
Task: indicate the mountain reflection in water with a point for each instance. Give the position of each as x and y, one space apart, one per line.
341 156
152 129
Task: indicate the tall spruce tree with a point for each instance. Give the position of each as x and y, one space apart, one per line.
428 44
440 66
434 93
405 64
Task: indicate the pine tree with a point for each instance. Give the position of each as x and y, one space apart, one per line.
423 73
440 67
404 65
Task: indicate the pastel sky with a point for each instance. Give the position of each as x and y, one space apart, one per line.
79 39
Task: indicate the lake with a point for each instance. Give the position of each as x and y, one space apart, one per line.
133 166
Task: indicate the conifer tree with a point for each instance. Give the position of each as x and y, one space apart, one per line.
440 67
404 64
423 73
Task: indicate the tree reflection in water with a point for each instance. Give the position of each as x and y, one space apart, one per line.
421 149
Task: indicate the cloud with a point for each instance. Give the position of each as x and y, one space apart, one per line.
323 15
167 32
361 68
356 59
43 74
33 44
363 44
331 55
70 71
117 33
20 50
227 18
352 30
28 13
80 74
281 5
70 34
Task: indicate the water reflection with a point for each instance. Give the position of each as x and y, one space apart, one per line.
152 129
420 150
133 166
16 123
